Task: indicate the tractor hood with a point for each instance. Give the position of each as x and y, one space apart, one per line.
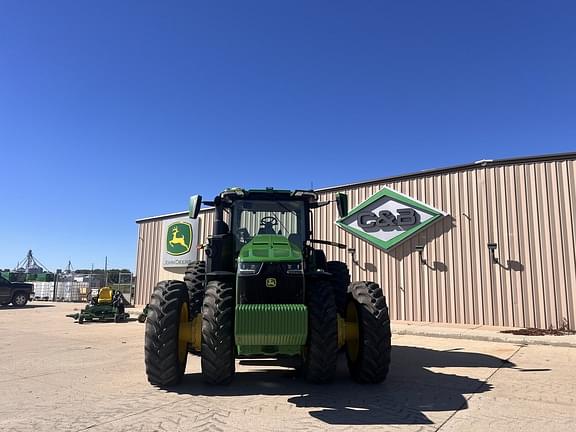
270 248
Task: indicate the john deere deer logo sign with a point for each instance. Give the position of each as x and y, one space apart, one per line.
180 239
388 217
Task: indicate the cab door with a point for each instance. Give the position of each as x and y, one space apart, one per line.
4 290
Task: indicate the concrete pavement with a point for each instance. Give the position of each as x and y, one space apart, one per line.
56 375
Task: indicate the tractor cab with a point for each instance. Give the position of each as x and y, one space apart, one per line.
261 224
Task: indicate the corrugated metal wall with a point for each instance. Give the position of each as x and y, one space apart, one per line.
528 209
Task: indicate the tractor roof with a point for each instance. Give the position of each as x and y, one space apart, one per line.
268 194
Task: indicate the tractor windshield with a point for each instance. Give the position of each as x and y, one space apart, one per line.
285 218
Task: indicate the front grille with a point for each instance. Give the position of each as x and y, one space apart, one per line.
254 289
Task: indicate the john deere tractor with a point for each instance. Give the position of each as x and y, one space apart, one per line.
265 291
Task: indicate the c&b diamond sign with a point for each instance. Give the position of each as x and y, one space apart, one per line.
388 217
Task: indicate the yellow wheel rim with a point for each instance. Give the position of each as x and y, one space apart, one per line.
182 334
352 331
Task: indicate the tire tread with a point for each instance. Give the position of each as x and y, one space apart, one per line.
163 368
218 344
322 349
194 277
373 361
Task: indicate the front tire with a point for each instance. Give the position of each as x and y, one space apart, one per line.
368 345
165 355
20 299
218 366
322 348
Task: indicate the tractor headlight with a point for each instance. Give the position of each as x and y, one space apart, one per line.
249 268
294 268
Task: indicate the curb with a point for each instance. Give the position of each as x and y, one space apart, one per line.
522 340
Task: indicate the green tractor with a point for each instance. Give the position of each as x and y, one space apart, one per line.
265 291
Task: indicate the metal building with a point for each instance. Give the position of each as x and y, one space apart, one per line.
525 208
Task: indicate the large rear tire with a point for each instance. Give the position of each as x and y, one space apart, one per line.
165 355
218 346
194 277
340 282
368 344
322 348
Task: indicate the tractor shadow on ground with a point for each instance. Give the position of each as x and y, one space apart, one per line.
410 390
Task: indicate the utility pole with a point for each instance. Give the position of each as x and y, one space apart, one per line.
132 288
55 284
106 271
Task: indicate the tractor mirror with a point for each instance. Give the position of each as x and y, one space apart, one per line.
194 208
342 203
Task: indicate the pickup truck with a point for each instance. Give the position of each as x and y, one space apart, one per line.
16 293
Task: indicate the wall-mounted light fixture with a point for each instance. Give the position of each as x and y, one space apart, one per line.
420 250
352 253
492 248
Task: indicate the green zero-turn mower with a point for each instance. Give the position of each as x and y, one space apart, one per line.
143 315
108 305
265 291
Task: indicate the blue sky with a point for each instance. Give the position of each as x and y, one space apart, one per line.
111 111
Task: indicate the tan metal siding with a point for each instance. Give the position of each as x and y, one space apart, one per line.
514 235
567 199
528 209
557 299
535 268
460 214
148 262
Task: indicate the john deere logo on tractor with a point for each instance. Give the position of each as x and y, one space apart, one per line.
388 217
271 283
179 238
